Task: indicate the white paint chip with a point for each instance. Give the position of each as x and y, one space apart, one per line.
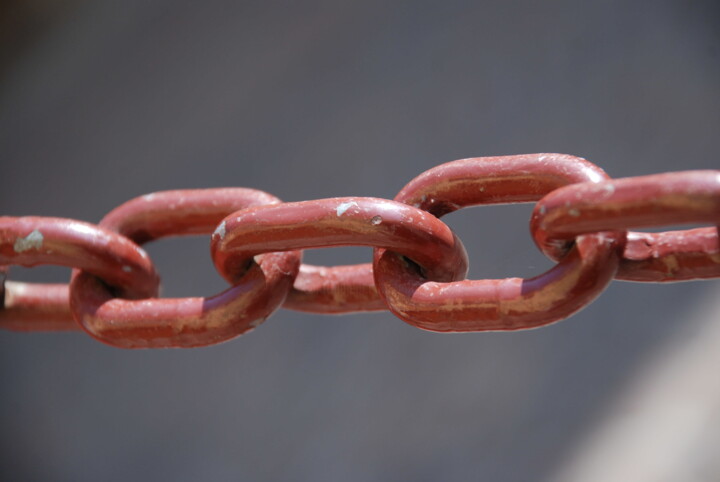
33 240
342 207
127 269
220 230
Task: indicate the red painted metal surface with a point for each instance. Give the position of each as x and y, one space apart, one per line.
335 290
31 241
186 322
495 180
353 221
637 202
3 277
419 265
37 307
316 289
180 212
504 304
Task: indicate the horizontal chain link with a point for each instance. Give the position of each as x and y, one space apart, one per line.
580 220
639 202
505 304
354 221
185 322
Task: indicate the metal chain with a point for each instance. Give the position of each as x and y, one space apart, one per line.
581 220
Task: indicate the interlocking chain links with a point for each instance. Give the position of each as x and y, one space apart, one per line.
184 322
418 268
353 221
505 304
30 241
636 202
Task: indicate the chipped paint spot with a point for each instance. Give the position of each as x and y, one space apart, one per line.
220 230
342 207
574 213
256 323
33 240
609 189
127 269
542 210
149 197
376 220
672 265
421 202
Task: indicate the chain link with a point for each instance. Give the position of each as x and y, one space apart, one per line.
186 322
504 304
580 220
639 202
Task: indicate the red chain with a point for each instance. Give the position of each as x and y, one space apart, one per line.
648 201
507 304
418 272
188 322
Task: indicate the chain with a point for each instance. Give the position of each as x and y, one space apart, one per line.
581 220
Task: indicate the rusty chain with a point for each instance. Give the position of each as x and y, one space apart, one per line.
581 220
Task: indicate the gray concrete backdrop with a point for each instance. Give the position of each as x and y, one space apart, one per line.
306 100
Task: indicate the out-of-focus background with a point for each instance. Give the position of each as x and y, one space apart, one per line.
104 101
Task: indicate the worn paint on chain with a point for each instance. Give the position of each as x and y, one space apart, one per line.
581 220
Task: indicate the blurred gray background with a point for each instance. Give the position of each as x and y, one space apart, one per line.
104 101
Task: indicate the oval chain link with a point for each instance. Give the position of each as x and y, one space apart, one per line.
353 221
33 240
183 322
640 202
502 304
